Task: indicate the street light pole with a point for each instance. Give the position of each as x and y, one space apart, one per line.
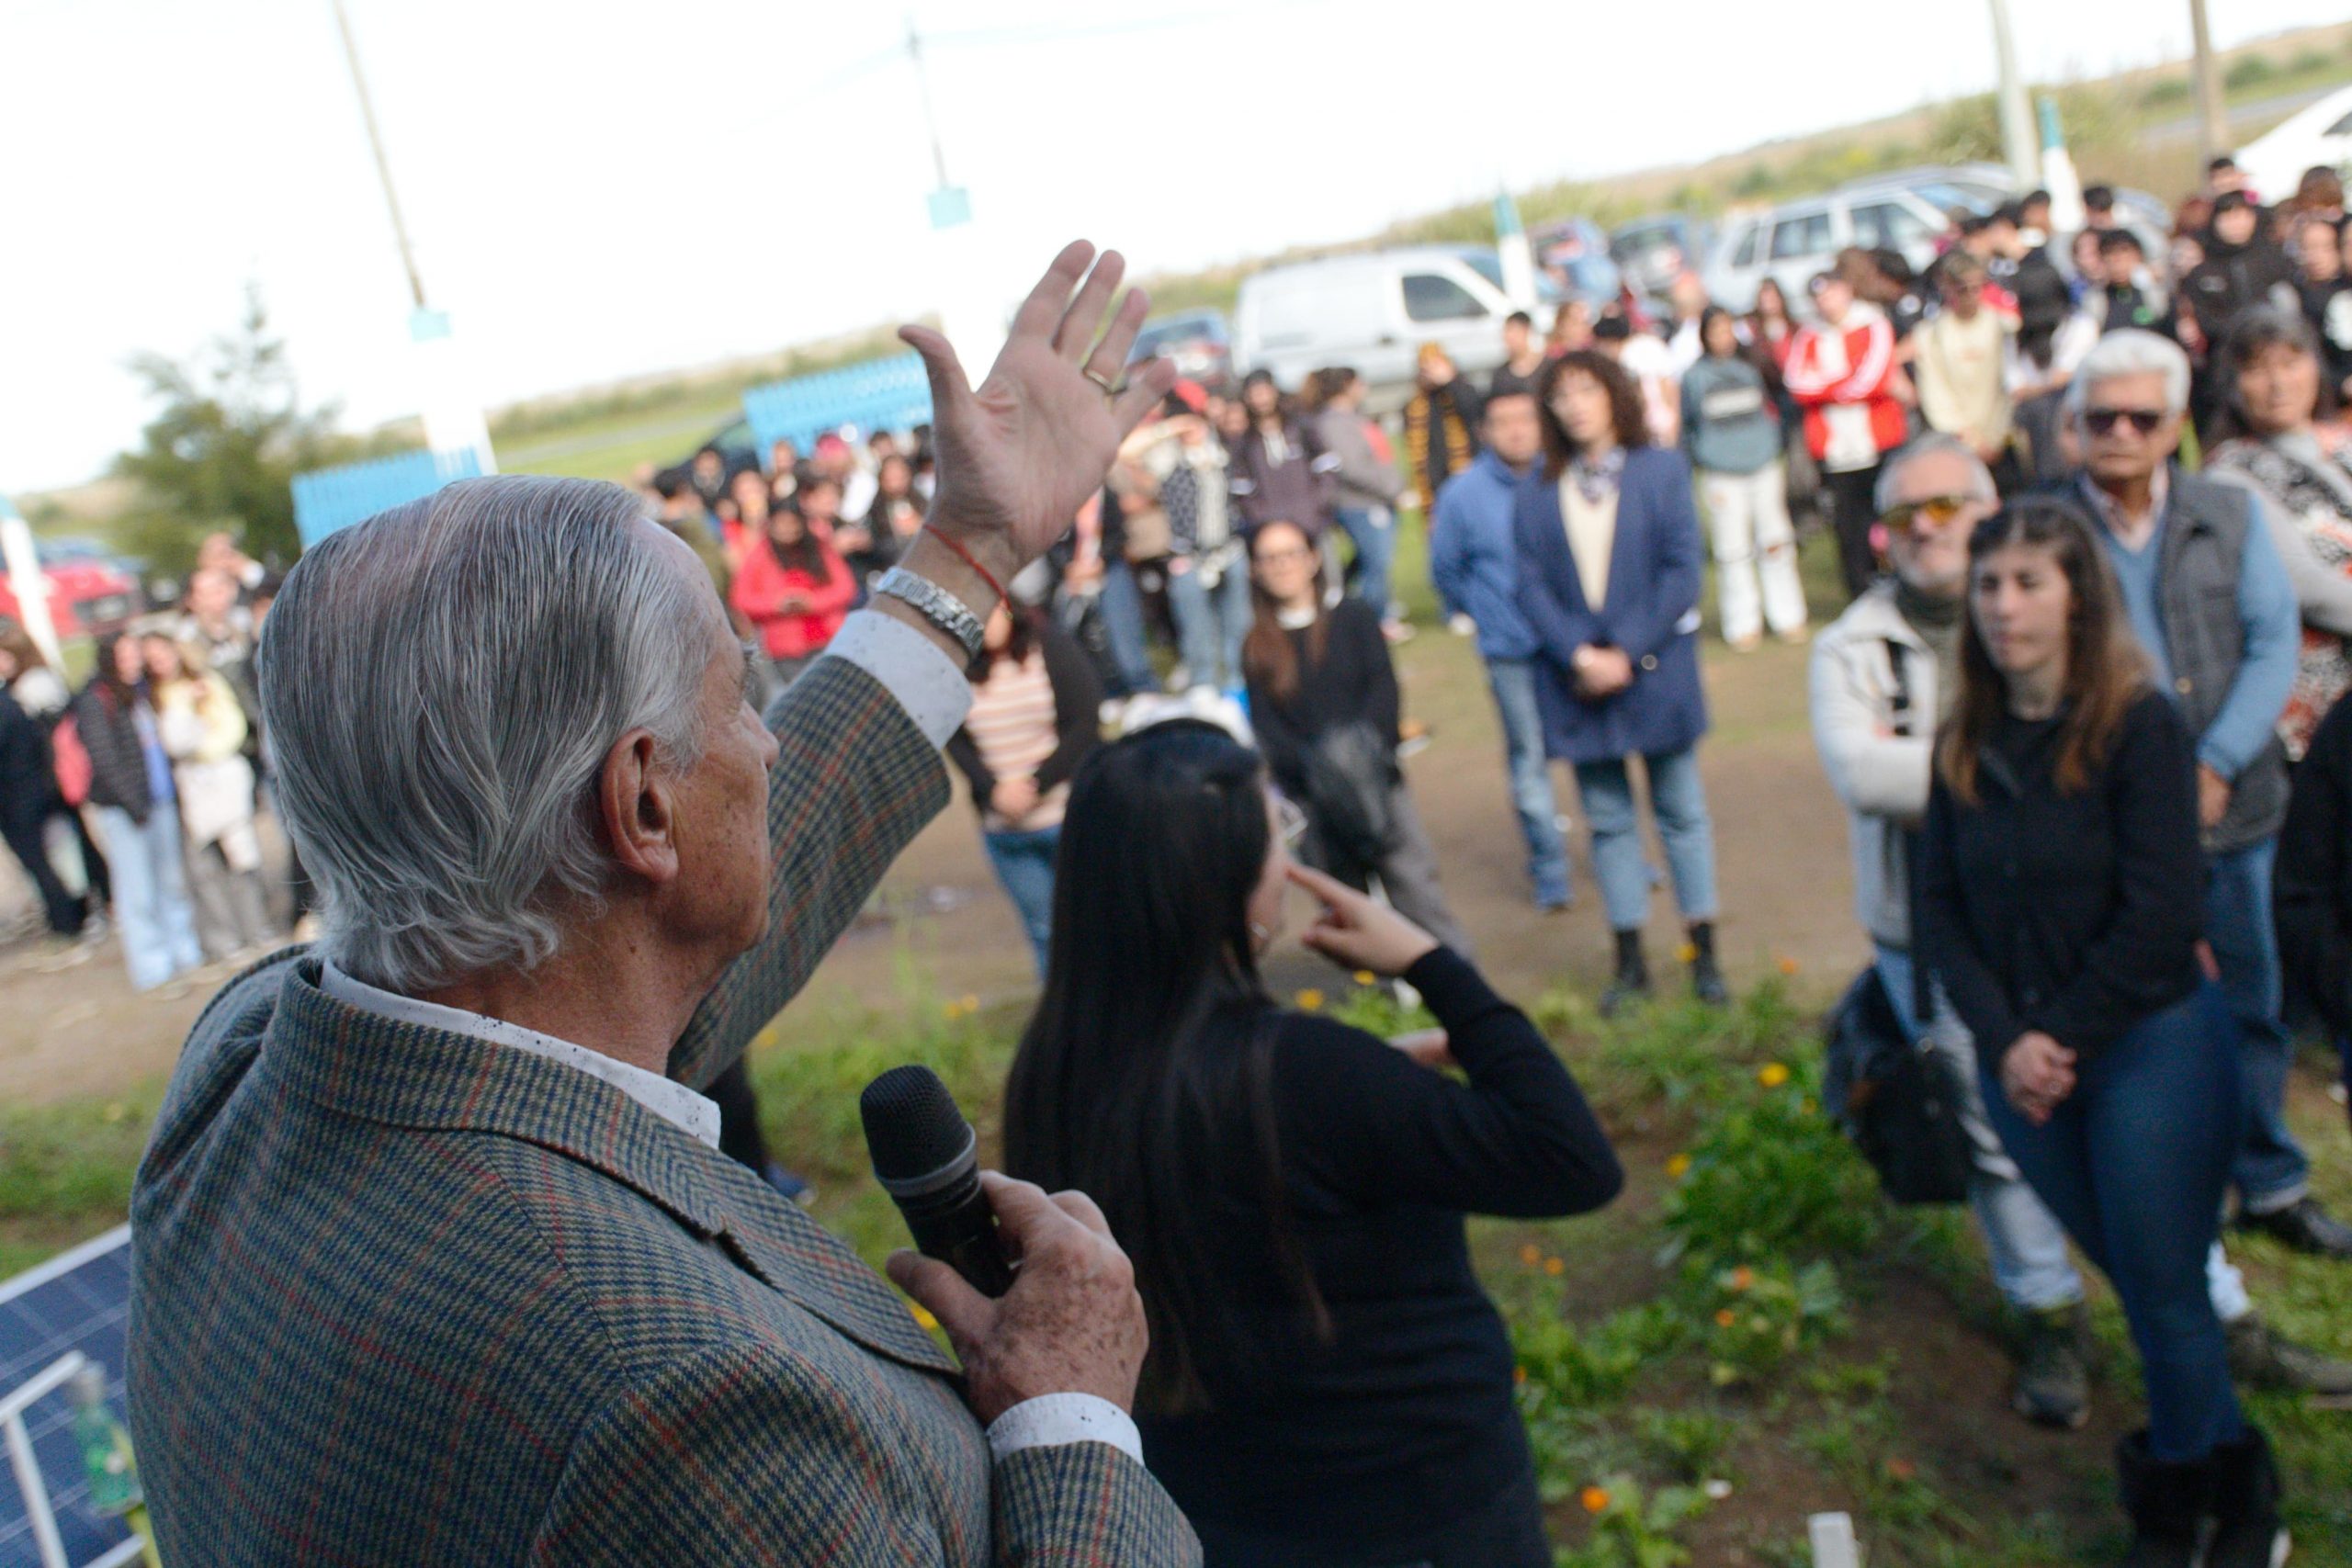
2018 140
2212 127
376 145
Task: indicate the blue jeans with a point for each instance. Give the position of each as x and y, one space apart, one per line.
1678 805
2271 1170
2022 1237
2134 1163
1123 622
1514 683
150 894
1211 623
1024 864
1372 530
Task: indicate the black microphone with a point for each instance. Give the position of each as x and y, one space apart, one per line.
927 1157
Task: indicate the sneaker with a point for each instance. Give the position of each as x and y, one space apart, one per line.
2260 1357
2052 1388
2305 1226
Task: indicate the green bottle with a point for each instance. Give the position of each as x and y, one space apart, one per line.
106 1447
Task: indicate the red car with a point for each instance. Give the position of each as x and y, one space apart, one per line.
87 593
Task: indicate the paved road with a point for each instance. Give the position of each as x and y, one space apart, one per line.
2257 117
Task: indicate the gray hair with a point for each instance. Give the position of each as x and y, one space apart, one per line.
1934 443
2131 350
440 686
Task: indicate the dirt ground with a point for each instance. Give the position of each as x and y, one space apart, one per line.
70 1026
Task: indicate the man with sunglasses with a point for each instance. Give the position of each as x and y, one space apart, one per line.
2215 613
1881 677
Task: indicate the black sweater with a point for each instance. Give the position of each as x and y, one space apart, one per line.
2312 895
1404 1419
2077 915
1353 680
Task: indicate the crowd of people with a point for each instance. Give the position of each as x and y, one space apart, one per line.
2093 518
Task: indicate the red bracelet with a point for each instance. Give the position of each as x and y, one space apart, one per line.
969 559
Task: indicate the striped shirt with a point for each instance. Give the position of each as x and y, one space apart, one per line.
1014 726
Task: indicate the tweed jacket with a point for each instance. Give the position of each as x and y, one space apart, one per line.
405 1296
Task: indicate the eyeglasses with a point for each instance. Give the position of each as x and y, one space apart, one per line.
1290 821
1284 558
2100 422
1936 510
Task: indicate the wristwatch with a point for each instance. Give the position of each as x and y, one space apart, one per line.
936 605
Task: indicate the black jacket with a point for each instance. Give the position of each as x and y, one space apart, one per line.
2312 894
1354 681
1298 489
117 767
27 778
1078 703
2077 915
2232 277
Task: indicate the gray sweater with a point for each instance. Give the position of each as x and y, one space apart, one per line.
1363 480
1728 422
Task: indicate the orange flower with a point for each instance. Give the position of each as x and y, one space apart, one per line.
1686 953
1743 1278
1788 965
1366 977
1309 1000
1594 1499
1556 1267
971 1005
1678 1167
1530 1255
1725 1318
1518 1374
1772 1074
1900 1469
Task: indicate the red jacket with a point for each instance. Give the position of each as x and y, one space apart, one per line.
762 584
1868 380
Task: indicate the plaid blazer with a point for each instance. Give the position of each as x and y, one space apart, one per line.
403 1296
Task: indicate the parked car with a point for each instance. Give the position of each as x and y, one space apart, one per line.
1653 251
2319 135
1198 341
1372 310
1905 211
88 590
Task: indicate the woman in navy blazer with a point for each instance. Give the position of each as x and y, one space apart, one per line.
1609 546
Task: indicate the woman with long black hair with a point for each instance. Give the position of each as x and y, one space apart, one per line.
1327 1386
2060 900
1324 701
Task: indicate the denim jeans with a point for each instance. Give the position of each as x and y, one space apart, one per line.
2134 1163
1372 530
1024 864
2023 1238
2271 1170
1211 623
150 894
1678 805
1123 622
1513 682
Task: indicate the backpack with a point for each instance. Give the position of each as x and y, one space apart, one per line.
1900 1103
70 761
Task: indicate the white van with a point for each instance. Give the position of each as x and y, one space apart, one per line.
1374 311
2316 137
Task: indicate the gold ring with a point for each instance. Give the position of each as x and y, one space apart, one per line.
1100 380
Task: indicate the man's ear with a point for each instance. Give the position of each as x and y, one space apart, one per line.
637 805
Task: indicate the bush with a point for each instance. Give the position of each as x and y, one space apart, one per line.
1763 1317
1772 1177
2249 71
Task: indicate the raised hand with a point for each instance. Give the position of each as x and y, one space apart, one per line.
1356 931
1020 454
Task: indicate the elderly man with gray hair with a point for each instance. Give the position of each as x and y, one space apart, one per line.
435 1259
1881 676
2216 616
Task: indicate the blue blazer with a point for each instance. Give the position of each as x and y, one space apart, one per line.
1651 613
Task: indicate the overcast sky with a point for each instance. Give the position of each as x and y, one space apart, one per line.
607 186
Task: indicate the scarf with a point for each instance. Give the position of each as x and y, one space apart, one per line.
1938 622
1597 481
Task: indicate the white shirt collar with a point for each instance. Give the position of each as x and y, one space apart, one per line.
693 1114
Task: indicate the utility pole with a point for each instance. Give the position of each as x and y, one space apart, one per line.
376 145
2213 125
2018 140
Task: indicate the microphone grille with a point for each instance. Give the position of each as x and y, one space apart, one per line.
912 1127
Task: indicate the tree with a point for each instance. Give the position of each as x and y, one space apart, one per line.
223 450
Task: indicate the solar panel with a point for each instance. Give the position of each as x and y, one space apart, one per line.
77 1301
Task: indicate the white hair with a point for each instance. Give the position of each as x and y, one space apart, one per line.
440 686
2131 350
1934 443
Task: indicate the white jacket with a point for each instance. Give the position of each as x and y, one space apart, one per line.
1882 776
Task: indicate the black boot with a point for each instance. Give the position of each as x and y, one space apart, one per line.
2246 1506
1632 982
1706 977
2167 1504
